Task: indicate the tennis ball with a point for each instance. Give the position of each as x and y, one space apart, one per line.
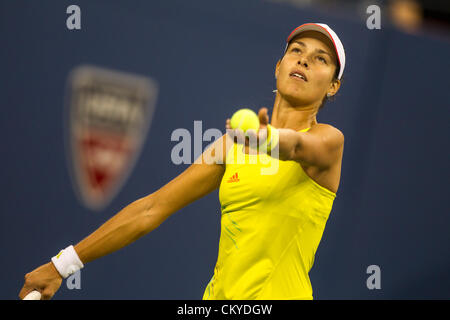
245 119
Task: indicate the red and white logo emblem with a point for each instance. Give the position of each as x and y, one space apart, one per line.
109 116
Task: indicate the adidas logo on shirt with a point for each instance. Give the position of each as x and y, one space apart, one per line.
234 178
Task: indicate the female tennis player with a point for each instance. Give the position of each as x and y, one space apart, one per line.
271 224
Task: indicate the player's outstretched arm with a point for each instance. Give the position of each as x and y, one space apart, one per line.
139 217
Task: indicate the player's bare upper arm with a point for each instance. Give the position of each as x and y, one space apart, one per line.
198 180
321 146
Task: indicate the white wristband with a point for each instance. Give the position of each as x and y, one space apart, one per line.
67 262
271 141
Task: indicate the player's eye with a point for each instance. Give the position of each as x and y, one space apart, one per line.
322 59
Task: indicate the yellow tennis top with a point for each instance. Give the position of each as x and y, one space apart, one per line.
271 226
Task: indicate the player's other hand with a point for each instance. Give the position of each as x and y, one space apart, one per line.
45 279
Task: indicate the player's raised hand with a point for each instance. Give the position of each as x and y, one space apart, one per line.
252 136
256 137
44 279
263 115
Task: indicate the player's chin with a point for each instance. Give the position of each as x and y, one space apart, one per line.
294 96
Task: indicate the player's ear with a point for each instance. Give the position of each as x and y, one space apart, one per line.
334 87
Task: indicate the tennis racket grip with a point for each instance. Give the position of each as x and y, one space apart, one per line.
33 295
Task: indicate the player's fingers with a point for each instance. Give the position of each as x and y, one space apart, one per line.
262 134
240 134
24 291
252 138
237 134
50 290
27 287
263 117
47 294
228 124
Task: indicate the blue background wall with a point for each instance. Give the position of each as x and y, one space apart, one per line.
211 58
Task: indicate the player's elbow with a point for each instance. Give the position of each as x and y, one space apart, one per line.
144 210
319 150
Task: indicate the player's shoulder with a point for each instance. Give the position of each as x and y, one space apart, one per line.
331 134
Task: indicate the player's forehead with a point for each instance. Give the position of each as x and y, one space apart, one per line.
315 40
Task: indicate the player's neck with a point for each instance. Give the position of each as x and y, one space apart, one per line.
286 115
